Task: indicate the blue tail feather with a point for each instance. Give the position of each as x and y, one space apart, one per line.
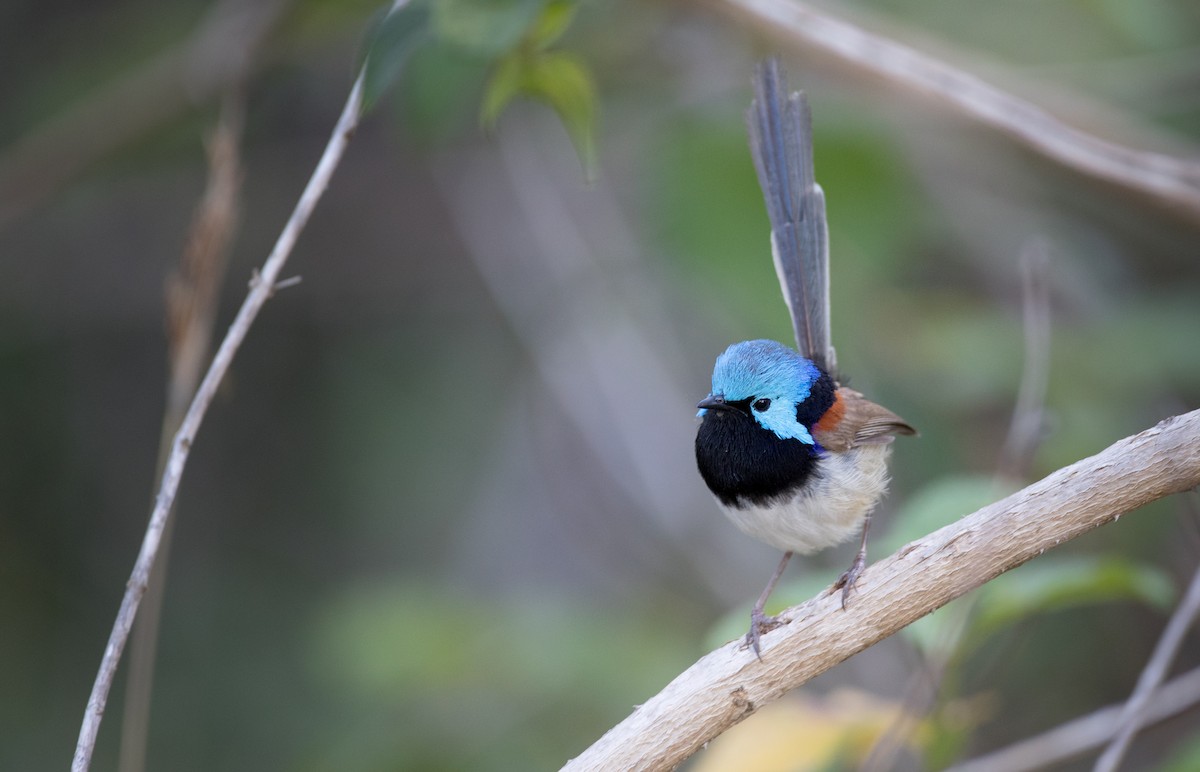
780 128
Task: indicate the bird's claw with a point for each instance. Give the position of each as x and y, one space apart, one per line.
847 581
759 623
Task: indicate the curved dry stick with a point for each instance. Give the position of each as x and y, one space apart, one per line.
1169 180
261 288
1025 430
729 684
192 296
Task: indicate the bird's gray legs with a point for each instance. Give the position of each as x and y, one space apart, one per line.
759 621
847 580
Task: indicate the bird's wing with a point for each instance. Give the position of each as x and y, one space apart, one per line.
854 420
781 143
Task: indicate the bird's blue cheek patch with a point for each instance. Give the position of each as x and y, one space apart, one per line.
783 422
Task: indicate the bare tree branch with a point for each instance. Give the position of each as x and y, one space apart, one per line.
1172 181
729 684
1085 733
261 288
1152 677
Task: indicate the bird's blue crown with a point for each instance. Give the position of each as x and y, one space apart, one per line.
764 369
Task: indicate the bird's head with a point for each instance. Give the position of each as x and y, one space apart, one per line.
773 385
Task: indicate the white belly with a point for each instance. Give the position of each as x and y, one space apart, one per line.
830 508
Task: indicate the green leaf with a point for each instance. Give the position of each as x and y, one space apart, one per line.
1054 584
505 84
563 82
391 41
442 90
554 20
485 27
555 78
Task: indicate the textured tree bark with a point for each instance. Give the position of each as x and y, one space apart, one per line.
729 684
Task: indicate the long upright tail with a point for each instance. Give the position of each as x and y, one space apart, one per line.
781 143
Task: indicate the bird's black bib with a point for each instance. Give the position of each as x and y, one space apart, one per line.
744 464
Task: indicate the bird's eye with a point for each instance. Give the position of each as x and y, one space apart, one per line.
761 405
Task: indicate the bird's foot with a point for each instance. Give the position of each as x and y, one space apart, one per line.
847 580
759 623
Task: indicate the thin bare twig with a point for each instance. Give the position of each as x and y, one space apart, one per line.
729 684
192 295
1169 180
260 291
1152 676
1025 430
1086 732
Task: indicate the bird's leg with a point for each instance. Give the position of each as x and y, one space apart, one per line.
759 622
847 580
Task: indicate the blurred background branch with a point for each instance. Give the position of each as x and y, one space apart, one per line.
593 339
1026 430
191 304
1169 181
1153 674
1086 733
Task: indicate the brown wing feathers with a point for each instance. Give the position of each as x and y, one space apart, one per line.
854 420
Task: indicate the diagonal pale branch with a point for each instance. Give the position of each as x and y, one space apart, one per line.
1080 735
1152 677
1168 180
261 289
729 684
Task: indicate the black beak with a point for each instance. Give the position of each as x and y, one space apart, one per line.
713 402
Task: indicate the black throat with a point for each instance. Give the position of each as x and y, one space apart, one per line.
744 464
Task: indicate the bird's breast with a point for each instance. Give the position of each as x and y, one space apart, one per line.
828 509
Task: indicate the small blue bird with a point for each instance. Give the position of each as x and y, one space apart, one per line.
795 459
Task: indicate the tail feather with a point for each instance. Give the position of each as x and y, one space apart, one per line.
781 144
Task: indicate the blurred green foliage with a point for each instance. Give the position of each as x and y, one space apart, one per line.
394 36
398 547
471 664
514 37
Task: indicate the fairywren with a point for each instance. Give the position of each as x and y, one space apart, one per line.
794 458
